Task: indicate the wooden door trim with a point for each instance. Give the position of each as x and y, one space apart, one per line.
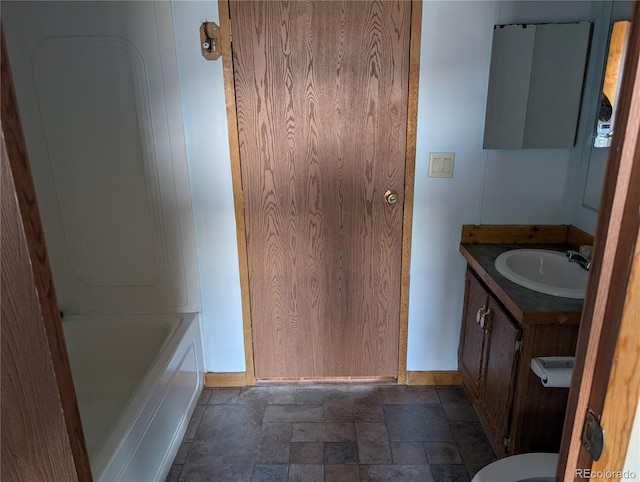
606 298
409 184
238 194
236 179
623 390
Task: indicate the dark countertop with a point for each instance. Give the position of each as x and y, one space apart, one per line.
526 305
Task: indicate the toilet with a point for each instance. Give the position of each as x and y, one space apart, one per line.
535 467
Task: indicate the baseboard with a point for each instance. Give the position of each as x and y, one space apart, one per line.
434 378
231 379
239 379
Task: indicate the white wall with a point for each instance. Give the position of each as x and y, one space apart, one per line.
489 186
524 186
206 134
454 73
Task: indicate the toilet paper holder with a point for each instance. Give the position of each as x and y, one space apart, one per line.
553 371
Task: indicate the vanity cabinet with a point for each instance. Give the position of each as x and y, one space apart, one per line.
488 357
519 414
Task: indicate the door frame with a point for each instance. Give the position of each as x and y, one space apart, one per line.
238 194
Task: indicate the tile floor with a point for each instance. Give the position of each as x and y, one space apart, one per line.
332 433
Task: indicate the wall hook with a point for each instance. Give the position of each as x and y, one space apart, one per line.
210 40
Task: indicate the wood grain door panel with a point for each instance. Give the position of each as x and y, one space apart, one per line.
321 98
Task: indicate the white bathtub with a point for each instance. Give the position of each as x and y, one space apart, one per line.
137 379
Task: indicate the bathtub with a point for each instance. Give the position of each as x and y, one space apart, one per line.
137 379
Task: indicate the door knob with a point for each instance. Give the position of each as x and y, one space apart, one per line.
391 196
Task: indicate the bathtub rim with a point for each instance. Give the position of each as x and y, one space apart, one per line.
144 391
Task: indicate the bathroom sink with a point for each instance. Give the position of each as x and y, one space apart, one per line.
543 270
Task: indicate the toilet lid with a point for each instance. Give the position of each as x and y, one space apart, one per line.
520 468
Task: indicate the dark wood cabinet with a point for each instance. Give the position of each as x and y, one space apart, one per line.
501 356
519 414
472 339
489 349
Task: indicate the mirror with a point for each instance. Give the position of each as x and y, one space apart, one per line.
604 123
610 84
535 85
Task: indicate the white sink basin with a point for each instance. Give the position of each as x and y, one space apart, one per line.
545 271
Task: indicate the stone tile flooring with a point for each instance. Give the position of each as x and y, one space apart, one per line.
332 433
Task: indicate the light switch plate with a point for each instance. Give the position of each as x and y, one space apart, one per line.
441 164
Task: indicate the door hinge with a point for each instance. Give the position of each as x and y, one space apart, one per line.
506 441
593 436
518 345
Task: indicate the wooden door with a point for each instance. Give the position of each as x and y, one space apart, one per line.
321 97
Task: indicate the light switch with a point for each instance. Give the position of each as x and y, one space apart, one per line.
441 164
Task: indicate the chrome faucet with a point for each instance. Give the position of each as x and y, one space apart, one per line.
575 257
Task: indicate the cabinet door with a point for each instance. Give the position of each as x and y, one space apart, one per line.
472 337
499 374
